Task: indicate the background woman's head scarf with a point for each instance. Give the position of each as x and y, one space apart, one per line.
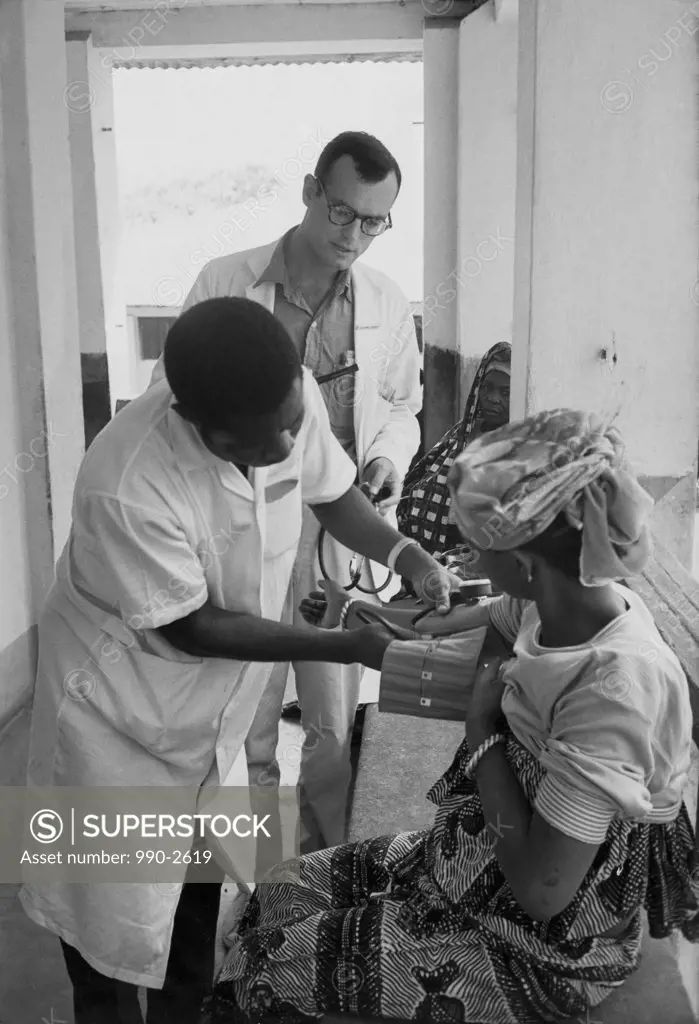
424 508
499 357
509 485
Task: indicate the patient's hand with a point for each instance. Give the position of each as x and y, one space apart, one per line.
322 608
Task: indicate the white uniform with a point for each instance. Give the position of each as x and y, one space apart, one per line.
160 526
387 399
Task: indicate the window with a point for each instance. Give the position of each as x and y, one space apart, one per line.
152 332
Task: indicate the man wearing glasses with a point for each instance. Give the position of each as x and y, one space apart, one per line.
354 331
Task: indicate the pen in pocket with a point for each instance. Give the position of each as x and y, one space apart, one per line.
337 373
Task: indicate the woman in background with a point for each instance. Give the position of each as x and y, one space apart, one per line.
424 512
560 822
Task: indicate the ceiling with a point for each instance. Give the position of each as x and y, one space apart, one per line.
179 63
137 5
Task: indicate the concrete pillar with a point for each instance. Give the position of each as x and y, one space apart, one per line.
606 290
440 335
89 99
470 180
41 442
80 102
487 174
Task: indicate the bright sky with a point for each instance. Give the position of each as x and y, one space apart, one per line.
184 124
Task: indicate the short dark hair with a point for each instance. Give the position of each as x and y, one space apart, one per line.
229 358
560 545
372 160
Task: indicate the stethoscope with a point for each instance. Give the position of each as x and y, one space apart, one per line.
356 565
356 562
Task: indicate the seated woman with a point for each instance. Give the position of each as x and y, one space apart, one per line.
424 511
560 820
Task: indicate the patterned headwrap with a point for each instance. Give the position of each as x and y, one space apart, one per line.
508 486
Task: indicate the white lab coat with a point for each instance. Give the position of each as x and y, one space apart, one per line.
160 525
388 395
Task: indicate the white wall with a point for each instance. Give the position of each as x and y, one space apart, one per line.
18 396
41 438
606 314
54 251
440 306
487 160
80 101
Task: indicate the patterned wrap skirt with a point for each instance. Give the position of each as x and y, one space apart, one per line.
423 926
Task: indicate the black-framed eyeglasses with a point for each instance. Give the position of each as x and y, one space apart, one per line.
343 215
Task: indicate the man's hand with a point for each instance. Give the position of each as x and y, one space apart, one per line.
381 475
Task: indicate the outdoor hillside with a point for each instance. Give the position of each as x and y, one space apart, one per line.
219 190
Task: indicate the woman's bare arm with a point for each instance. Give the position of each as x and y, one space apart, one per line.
543 867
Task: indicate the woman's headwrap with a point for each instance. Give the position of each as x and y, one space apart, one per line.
508 486
499 364
498 357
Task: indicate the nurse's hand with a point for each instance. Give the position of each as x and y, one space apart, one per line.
369 644
432 583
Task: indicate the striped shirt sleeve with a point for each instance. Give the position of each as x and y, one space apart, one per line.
506 615
580 815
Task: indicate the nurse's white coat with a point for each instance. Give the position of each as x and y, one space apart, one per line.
160 525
